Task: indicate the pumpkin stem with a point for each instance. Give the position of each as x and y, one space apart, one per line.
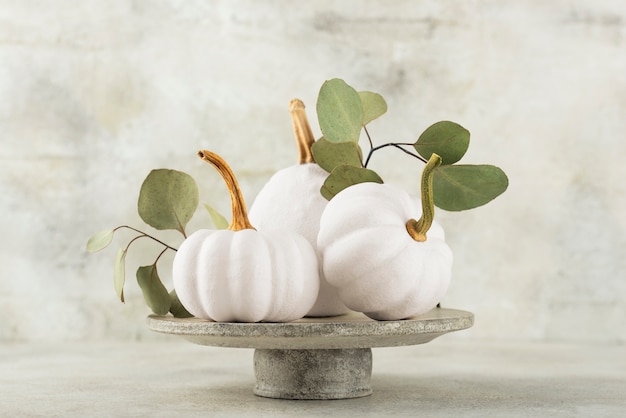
240 216
302 130
417 229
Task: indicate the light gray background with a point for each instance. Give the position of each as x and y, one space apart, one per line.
93 95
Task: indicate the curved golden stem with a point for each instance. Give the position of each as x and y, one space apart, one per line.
302 130
417 229
240 216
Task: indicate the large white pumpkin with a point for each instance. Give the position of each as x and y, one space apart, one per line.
291 200
369 256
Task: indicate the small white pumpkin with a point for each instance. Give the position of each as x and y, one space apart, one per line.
382 263
291 199
241 274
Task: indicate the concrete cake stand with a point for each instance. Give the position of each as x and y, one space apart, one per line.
315 358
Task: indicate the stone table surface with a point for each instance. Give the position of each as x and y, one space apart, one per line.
448 377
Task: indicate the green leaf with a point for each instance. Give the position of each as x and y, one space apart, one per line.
447 139
329 155
177 309
119 273
339 111
100 240
154 293
374 106
219 221
168 199
345 176
462 187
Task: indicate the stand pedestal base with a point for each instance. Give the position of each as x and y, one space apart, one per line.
313 374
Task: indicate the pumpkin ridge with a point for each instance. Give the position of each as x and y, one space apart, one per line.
207 266
249 278
185 271
360 242
273 308
398 308
387 286
427 291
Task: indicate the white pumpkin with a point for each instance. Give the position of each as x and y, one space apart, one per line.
244 275
368 254
291 199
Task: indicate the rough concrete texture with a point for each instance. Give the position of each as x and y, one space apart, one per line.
445 378
96 94
353 330
313 374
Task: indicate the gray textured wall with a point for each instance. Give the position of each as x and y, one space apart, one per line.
95 94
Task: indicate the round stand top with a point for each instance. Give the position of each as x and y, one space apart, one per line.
352 330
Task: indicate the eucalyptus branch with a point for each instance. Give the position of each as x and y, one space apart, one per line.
144 234
398 145
160 254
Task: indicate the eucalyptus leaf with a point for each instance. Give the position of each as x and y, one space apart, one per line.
462 187
100 240
345 176
119 273
219 221
339 111
374 106
329 155
168 199
154 293
177 309
447 139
